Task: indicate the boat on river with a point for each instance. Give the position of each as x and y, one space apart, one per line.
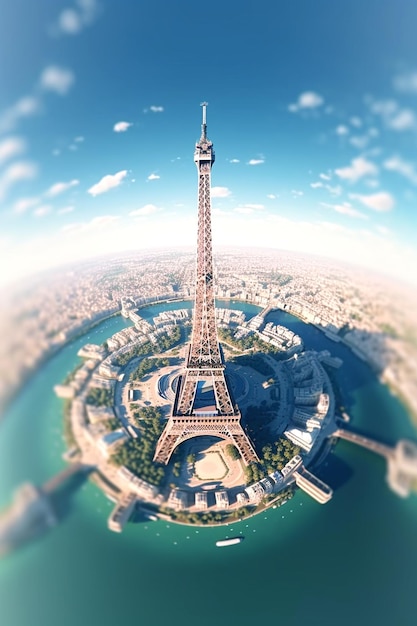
222 543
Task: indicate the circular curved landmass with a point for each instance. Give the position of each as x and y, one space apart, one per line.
119 413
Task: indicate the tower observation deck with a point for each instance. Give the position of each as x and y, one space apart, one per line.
203 403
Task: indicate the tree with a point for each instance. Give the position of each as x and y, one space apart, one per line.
233 452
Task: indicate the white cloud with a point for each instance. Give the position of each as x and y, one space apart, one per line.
406 169
148 209
392 115
381 201
335 191
220 192
385 108
15 173
359 141
325 177
359 167
156 109
403 120
70 22
121 127
43 210
153 177
306 100
249 208
73 20
234 161
271 196
256 161
65 209
22 205
60 187
297 193
25 107
342 130
345 209
356 121
244 210
107 182
316 185
79 139
406 82
11 147
383 230
97 223
57 79
372 183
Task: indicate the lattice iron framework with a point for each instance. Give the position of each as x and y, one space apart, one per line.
204 365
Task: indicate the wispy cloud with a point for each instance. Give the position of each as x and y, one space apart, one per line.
60 187
148 209
355 121
256 161
381 201
153 177
271 196
65 209
359 168
393 116
43 210
306 100
403 120
359 141
24 107
121 127
234 160
345 209
406 169
16 173
154 109
23 204
335 190
11 147
72 21
57 79
220 192
248 208
342 130
107 182
97 223
406 82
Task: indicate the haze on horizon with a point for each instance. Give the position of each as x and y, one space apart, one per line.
312 112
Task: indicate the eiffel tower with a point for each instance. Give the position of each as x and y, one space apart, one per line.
203 403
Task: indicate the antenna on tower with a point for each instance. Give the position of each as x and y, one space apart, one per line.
204 124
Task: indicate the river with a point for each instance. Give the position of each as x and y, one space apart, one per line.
352 561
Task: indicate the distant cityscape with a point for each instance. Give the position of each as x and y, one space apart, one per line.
372 315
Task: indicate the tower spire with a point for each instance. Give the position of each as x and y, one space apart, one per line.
204 124
203 402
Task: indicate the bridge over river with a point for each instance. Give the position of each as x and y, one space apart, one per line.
32 512
401 459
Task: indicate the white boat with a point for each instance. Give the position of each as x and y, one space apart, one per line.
222 543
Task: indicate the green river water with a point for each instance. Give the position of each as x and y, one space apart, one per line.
350 562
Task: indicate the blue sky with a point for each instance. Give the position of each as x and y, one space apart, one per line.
312 111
